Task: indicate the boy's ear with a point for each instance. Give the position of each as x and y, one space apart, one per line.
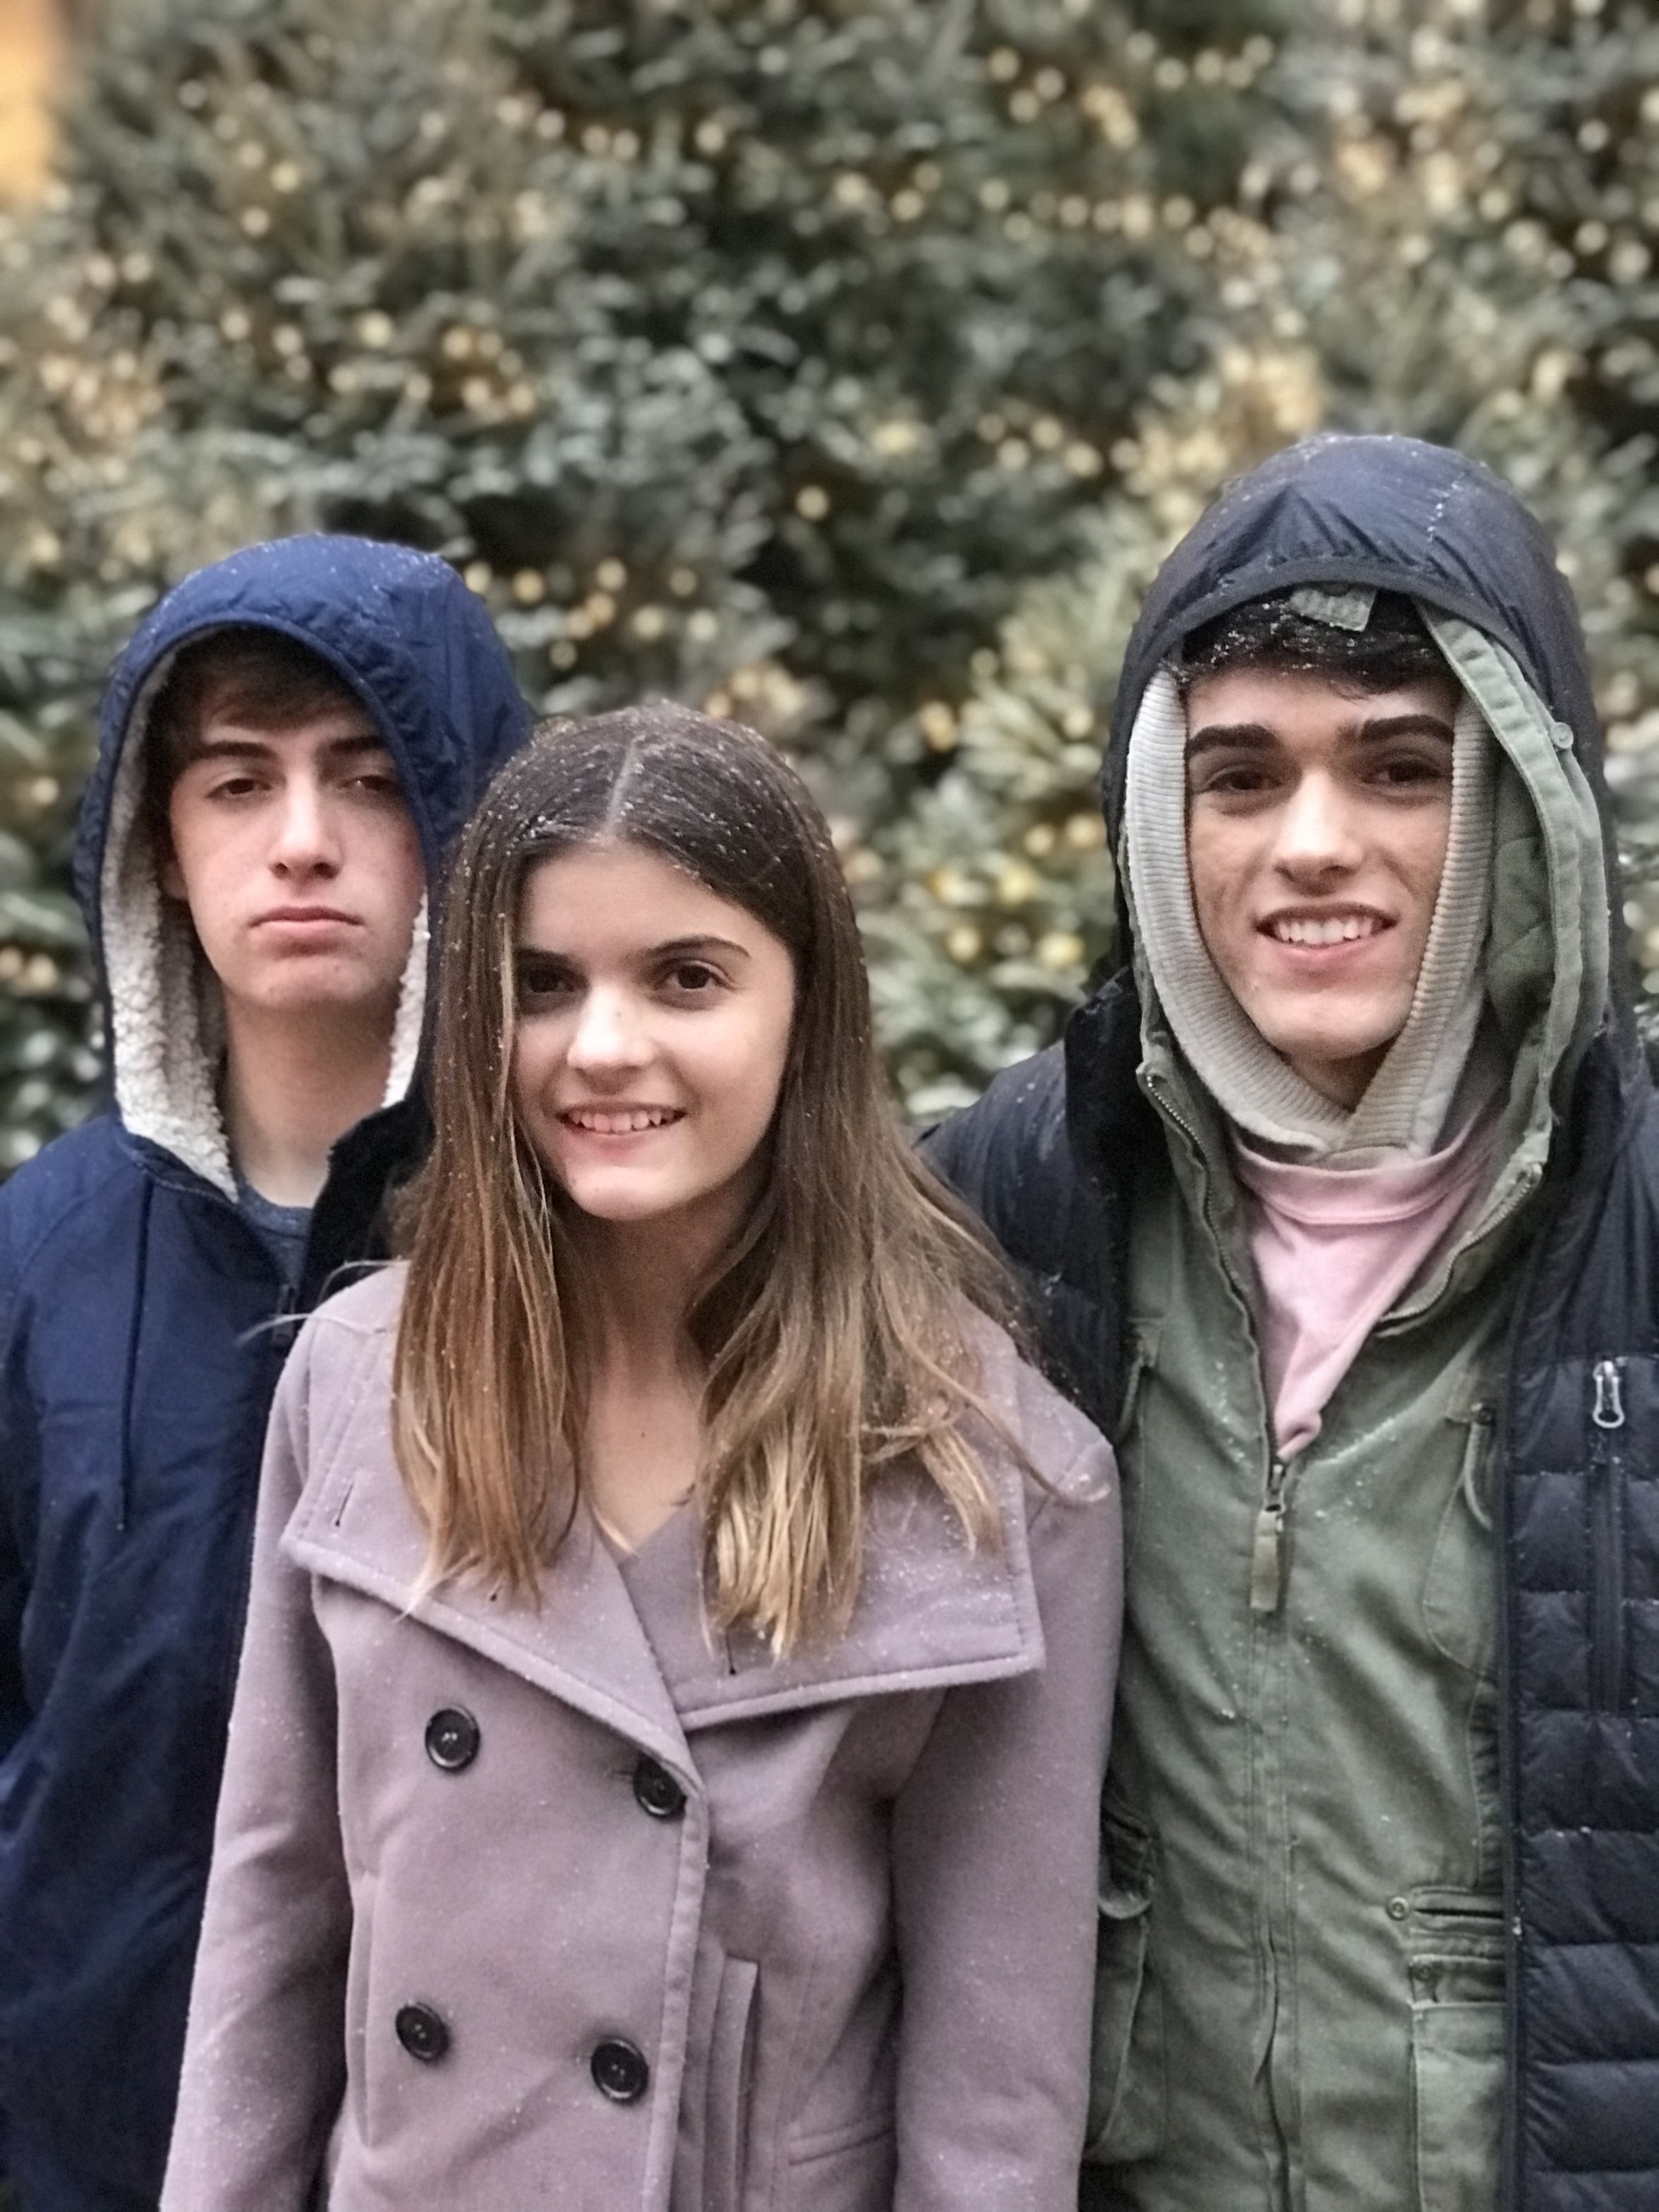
168 873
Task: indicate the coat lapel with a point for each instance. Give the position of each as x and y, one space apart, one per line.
931 1613
583 1645
632 1647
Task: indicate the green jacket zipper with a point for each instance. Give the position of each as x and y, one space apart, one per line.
1268 1552
1267 1545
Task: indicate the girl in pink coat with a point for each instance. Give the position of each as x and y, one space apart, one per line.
667 1756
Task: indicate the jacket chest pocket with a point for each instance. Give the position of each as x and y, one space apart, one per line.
1454 1945
1459 1593
1606 1502
1621 1506
1140 1364
1128 2093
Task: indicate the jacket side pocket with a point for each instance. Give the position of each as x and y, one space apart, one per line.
851 2169
731 2052
1142 1361
1128 2093
1455 1963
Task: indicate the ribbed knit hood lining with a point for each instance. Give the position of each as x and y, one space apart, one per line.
1525 836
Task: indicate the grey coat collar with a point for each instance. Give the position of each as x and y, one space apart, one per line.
931 1613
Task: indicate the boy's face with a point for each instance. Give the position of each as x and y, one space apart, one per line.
1316 826
295 852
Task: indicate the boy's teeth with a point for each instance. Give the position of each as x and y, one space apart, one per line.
1293 930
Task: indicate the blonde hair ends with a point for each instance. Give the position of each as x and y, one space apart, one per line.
835 1334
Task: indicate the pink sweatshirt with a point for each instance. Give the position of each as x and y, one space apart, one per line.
1333 1248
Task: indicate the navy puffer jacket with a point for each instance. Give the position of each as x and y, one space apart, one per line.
141 1328
1048 1157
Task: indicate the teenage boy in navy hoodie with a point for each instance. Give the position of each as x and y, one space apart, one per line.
288 746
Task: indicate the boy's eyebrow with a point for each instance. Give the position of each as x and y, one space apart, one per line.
1216 737
256 748
367 741
1256 737
1419 723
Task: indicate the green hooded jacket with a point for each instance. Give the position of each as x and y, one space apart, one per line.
1304 1775
1380 1875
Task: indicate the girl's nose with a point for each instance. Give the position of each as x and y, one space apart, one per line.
607 1032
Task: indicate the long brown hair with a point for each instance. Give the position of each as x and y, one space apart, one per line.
835 1329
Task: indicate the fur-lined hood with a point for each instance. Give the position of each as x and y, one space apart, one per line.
402 631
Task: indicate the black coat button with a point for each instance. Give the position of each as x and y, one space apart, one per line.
620 2071
452 1739
657 1790
423 2031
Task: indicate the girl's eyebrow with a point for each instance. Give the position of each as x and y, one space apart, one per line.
683 947
673 948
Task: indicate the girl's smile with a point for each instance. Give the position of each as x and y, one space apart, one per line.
617 1121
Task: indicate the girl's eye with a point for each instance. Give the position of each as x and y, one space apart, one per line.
234 787
696 978
539 982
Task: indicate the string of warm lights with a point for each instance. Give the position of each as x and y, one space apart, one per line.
761 354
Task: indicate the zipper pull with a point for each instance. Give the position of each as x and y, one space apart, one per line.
1608 1411
1268 1552
285 1321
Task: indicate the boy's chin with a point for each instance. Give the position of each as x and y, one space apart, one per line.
294 995
1342 1076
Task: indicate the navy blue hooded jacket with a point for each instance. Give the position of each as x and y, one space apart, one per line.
137 1359
1048 1157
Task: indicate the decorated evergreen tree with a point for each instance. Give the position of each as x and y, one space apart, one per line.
847 366
754 353
1473 255
1450 230
990 902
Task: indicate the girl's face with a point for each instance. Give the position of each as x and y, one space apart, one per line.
652 1029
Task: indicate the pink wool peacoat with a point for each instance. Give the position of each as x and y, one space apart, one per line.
585 1907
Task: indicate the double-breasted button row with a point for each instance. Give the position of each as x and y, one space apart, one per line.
619 2067
452 1739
